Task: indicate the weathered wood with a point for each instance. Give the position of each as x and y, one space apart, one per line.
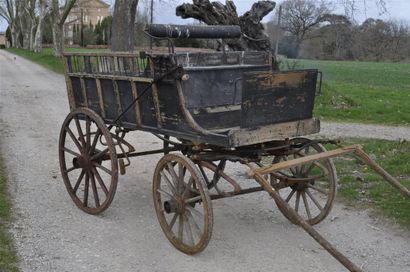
240 137
215 13
303 160
137 105
156 105
305 225
100 97
69 84
276 97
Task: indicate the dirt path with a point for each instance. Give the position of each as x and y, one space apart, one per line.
250 234
365 131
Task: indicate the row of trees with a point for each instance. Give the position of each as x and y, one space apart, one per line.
309 29
26 22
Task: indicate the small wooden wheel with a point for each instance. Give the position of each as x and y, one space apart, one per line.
88 161
309 188
182 203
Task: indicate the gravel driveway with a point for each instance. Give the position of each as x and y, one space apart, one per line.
250 234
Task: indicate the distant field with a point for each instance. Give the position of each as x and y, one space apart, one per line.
366 92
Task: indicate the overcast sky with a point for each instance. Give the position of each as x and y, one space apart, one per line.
164 11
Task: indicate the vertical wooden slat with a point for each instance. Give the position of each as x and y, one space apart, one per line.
156 105
70 94
117 95
137 104
100 96
84 91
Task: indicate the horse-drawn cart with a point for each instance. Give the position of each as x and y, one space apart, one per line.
208 109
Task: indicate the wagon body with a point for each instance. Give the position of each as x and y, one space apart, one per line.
226 99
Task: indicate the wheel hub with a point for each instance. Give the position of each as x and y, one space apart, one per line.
82 161
176 205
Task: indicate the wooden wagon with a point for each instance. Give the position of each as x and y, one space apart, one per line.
208 109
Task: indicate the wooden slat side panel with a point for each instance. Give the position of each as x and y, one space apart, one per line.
241 137
269 98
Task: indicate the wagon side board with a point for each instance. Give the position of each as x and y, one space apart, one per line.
276 97
249 136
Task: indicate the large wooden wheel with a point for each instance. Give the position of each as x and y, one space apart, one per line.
88 161
182 203
310 189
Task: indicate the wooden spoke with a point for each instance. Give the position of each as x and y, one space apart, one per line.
99 154
305 202
106 170
193 199
95 141
174 176
70 169
77 184
189 231
191 219
86 187
87 134
99 180
297 201
74 138
180 228
165 193
290 195
71 152
317 189
173 220
95 192
181 175
313 199
188 186
168 182
194 211
80 131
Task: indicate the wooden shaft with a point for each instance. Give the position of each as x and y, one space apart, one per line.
379 170
302 160
308 228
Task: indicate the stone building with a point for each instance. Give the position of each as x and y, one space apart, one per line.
93 11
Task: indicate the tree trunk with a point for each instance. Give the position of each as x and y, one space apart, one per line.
38 40
57 22
122 36
32 34
58 40
215 13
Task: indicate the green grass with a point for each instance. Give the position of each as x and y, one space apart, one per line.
46 57
363 187
367 92
8 258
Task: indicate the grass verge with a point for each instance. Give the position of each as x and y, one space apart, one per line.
45 58
364 188
8 257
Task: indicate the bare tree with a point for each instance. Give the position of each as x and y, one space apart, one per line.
9 11
58 20
37 44
300 17
216 13
352 6
123 25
